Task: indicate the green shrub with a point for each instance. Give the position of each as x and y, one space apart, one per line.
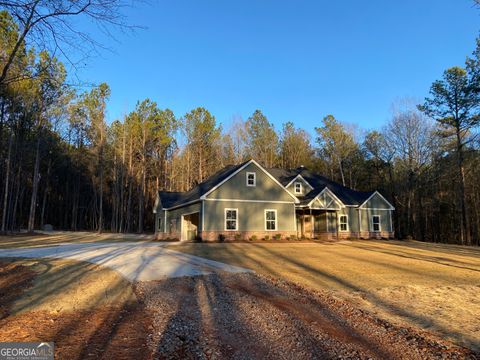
293 237
253 238
278 236
267 237
221 237
238 237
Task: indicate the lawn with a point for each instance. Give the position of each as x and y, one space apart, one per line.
59 237
431 286
86 309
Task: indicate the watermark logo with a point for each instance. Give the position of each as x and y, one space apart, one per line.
26 350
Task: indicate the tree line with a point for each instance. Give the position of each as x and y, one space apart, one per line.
62 162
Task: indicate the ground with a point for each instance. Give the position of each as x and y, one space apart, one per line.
356 299
432 286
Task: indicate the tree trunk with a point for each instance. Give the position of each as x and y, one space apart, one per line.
465 223
45 193
7 183
33 199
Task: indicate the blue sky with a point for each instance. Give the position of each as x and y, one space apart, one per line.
295 60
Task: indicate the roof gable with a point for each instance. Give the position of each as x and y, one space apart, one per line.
346 195
377 201
326 200
267 187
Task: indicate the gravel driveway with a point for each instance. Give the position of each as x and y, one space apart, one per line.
249 316
137 261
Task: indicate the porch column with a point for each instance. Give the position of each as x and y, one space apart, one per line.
311 224
303 223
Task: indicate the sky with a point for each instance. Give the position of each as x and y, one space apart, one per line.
296 60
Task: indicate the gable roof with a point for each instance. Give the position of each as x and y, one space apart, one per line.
171 199
346 195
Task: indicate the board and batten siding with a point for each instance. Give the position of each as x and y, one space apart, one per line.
266 188
251 215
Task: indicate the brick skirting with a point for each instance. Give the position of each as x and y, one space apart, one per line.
244 235
167 236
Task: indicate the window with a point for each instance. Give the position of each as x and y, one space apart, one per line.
376 223
160 228
231 219
251 179
298 188
343 222
270 219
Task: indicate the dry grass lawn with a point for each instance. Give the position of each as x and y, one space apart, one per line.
89 312
432 286
59 237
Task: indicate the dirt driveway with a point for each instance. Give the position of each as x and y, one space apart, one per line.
136 261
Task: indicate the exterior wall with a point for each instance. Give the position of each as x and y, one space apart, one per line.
366 222
352 213
325 225
251 220
305 187
266 188
174 219
376 202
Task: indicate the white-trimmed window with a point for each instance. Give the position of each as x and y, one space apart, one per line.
251 179
376 223
231 219
270 219
298 187
343 222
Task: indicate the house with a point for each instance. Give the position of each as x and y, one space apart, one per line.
248 200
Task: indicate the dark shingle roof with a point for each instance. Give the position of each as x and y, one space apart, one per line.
318 182
348 196
170 199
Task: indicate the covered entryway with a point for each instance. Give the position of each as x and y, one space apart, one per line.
190 226
316 224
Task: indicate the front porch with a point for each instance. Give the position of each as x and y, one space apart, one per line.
317 224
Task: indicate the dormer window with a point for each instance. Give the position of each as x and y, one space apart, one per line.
251 179
298 187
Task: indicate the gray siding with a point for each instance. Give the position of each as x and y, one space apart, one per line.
305 187
352 214
385 219
251 215
174 217
376 202
236 188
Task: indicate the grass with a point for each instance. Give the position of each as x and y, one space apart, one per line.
87 310
431 286
56 238
63 285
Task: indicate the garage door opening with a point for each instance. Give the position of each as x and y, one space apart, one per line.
190 226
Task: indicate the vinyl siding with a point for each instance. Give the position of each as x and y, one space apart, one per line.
175 216
236 188
251 215
376 202
385 217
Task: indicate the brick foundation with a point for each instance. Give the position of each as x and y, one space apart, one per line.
244 235
167 236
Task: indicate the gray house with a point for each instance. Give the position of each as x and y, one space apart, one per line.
248 200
